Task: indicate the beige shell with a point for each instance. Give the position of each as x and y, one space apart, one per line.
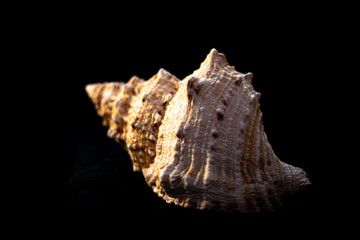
199 142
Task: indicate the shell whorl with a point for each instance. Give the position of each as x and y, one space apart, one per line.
199 142
145 117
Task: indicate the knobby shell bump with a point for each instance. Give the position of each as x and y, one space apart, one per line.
199 142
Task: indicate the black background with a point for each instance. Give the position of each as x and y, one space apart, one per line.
86 180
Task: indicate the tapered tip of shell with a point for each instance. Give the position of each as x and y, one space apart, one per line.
215 59
102 95
162 73
90 89
98 91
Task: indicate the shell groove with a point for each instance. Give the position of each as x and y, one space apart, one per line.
199 142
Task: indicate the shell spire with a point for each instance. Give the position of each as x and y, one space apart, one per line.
214 58
199 142
103 95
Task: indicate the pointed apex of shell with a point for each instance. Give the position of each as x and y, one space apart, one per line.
214 51
163 73
215 59
89 88
92 90
102 94
134 78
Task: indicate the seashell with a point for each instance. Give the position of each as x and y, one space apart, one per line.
199 142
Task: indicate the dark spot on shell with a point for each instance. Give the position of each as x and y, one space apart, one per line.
215 134
220 115
180 133
225 102
213 148
178 147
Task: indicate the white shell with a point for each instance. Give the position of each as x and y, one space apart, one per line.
199 142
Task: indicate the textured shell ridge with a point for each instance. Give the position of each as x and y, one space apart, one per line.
199 142
189 179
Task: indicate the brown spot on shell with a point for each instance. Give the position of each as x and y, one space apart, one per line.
225 102
214 133
219 114
180 133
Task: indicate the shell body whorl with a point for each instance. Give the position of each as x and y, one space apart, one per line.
199 142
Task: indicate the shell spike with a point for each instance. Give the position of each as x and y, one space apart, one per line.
215 59
248 76
94 92
162 73
102 95
258 96
90 88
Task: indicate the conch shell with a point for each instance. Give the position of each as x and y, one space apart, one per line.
199 142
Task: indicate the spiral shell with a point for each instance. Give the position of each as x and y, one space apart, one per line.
199 142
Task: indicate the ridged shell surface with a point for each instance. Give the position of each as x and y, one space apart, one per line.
199 142
145 117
